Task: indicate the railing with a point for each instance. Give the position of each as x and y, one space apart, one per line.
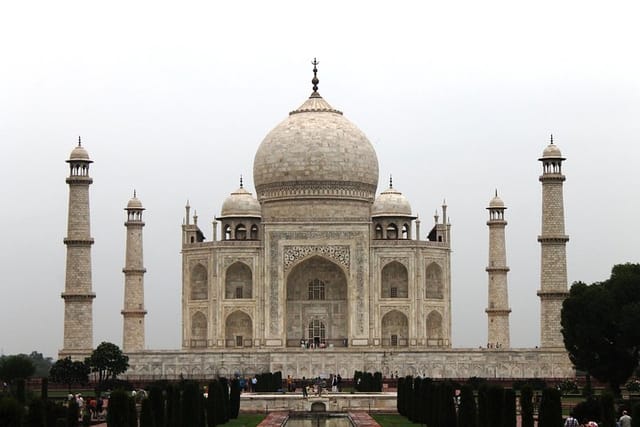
327 343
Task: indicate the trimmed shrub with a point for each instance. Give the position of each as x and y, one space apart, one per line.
448 408
483 411
11 412
400 397
635 415
495 405
21 391
44 389
146 414
174 399
526 406
132 414
36 417
509 415
73 413
234 399
157 403
191 404
224 384
467 412
550 412
608 411
118 409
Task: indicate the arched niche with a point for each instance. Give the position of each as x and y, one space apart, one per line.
434 286
238 282
395 329
198 330
241 232
316 290
394 279
434 329
199 283
238 330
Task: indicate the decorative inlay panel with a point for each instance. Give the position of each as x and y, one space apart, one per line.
338 253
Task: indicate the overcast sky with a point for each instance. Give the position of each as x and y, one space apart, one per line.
173 99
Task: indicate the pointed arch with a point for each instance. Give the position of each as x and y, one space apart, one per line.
238 329
392 231
238 281
394 279
198 330
316 289
241 232
434 329
395 329
378 233
254 232
199 283
434 286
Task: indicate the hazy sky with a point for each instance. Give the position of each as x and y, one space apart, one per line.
173 99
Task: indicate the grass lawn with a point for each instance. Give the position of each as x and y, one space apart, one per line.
392 420
246 420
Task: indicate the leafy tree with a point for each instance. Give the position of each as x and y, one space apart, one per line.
11 412
15 367
108 361
69 372
599 325
41 363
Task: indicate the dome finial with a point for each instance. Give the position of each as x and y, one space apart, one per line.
551 139
390 181
79 141
315 80
134 193
496 192
241 186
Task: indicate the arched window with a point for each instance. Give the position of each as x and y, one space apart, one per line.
254 232
198 330
434 328
241 232
238 282
199 283
317 332
395 329
378 231
395 281
405 231
392 231
226 232
316 289
433 282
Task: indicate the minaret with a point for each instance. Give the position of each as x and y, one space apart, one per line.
133 312
78 295
553 240
498 309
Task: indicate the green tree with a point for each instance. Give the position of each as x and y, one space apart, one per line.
69 372
15 367
42 364
108 361
599 325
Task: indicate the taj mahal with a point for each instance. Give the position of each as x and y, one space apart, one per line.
319 271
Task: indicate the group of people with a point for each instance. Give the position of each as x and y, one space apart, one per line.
318 385
571 421
94 407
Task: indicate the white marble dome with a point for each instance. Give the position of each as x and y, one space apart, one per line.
552 152
316 152
391 202
79 154
496 202
134 203
241 203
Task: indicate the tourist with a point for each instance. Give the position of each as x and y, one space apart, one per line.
254 382
339 383
571 421
334 384
625 420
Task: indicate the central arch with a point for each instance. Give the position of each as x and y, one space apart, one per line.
317 295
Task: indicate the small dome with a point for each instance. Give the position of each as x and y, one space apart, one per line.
552 151
496 202
391 202
79 154
241 203
134 203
